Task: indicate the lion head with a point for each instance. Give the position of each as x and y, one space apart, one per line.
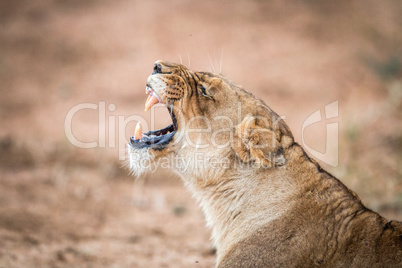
215 124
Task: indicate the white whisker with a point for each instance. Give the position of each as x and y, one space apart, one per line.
161 88
216 63
210 62
220 67
170 86
181 62
189 62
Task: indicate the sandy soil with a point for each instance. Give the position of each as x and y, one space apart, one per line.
63 206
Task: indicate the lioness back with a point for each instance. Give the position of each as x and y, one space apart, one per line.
329 227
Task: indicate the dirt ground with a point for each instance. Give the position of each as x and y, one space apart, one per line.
64 206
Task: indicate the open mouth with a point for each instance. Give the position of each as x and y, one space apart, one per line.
155 139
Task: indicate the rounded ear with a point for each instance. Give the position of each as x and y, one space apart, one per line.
253 143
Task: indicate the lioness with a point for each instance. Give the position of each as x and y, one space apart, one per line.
268 203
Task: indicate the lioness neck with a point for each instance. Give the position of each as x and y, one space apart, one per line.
238 202
232 202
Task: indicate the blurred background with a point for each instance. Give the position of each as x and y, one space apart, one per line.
64 206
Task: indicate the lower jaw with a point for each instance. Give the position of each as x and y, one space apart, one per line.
157 140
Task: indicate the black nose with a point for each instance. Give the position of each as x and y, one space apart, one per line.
157 69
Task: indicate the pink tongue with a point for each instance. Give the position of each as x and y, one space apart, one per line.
152 100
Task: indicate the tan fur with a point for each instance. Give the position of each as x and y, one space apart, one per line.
269 205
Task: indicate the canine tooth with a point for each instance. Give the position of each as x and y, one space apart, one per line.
149 96
138 131
152 100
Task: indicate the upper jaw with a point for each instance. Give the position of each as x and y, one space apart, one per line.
157 139
156 85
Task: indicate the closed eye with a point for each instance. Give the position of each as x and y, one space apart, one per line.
203 90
